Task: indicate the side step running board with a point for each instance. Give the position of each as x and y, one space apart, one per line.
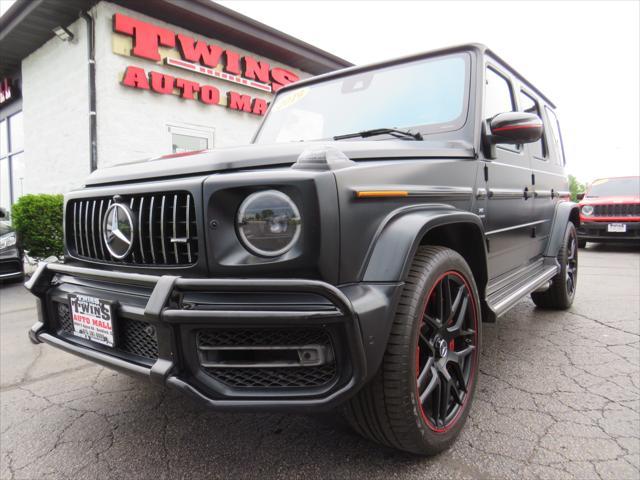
500 301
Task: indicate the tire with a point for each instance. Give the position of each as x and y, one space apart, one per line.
562 291
582 243
420 350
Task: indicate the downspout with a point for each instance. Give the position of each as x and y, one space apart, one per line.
93 128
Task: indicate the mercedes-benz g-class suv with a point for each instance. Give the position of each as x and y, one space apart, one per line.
347 257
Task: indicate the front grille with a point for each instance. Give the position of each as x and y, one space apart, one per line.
617 210
132 336
165 229
252 346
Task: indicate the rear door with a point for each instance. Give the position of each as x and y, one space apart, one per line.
508 185
547 175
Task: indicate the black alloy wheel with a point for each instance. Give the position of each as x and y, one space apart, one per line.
419 398
447 351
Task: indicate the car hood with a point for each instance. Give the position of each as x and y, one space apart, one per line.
609 200
5 228
281 154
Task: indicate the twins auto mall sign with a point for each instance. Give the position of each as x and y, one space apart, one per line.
186 53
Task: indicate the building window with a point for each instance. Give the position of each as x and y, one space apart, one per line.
188 138
11 159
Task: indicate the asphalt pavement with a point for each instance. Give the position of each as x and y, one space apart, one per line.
559 397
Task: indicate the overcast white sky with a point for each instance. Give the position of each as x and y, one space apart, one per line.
582 55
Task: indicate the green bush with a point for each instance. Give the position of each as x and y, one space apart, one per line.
38 221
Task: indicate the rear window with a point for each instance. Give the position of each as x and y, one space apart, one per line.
610 187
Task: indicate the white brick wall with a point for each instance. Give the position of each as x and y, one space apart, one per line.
132 124
55 106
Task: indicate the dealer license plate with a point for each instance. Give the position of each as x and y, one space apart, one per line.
617 227
92 318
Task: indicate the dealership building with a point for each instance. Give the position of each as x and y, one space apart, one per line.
87 84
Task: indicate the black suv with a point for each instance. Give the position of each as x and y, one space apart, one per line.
347 257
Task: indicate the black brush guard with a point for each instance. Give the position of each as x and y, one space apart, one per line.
176 365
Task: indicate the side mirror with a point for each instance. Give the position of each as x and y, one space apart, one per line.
513 128
580 196
3 214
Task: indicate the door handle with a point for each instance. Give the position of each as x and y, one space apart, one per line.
526 193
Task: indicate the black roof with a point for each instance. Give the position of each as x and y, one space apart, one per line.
28 24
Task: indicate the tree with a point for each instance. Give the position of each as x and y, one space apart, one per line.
575 187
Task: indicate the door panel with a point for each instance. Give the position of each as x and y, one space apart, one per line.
509 213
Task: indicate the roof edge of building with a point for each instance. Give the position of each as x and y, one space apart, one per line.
200 16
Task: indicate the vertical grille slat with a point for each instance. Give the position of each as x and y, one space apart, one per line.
187 220
153 250
93 223
175 224
140 229
75 226
133 249
86 227
80 232
161 237
100 229
164 247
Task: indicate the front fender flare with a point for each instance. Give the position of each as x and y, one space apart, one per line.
399 237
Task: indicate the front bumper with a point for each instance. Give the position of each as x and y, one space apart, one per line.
356 319
11 266
597 231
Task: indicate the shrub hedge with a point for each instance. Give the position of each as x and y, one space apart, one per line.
38 221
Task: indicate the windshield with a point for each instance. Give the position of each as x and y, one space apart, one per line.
615 187
427 95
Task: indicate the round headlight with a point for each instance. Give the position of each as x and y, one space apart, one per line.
587 210
268 223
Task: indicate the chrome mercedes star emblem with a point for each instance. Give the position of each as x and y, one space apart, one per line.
442 347
118 231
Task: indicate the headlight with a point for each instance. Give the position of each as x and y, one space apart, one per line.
587 210
8 240
268 223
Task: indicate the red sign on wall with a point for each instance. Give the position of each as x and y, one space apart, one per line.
7 91
199 57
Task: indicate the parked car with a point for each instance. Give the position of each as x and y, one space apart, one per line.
347 257
11 264
610 211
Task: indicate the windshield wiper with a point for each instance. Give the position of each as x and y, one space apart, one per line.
381 131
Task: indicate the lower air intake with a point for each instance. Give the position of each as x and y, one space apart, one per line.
268 358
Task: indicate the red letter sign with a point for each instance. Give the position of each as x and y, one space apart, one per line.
187 88
161 83
282 77
235 101
256 70
199 52
136 78
209 94
146 37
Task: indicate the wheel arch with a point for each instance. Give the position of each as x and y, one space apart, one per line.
565 212
402 234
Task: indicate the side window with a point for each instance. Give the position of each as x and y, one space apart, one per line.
556 136
530 105
497 94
